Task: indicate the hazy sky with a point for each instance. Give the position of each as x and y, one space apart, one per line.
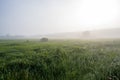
31 17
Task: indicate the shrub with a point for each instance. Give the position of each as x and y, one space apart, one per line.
44 39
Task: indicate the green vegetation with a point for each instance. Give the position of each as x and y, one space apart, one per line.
60 60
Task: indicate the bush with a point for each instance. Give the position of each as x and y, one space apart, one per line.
44 39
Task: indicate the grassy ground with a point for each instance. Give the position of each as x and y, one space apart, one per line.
60 60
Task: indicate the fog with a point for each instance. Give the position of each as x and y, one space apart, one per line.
50 17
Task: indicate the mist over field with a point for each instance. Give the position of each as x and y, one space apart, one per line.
59 39
112 33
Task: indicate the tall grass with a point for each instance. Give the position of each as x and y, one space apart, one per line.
60 60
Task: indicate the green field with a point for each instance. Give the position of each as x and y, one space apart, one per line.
60 60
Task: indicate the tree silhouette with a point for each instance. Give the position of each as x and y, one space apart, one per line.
86 34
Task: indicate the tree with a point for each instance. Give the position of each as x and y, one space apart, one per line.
86 34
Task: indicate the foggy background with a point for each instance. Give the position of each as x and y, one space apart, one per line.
44 17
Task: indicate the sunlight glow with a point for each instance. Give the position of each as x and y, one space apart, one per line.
98 12
29 17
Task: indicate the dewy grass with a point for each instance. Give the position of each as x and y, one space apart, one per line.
60 60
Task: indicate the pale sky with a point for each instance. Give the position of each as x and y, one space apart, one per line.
37 17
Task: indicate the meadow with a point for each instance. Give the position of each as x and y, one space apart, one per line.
60 60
